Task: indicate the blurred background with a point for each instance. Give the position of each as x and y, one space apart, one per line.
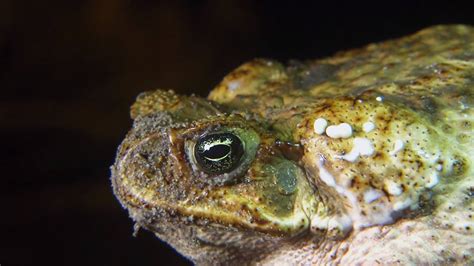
69 70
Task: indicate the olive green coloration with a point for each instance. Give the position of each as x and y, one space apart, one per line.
363 157
286 177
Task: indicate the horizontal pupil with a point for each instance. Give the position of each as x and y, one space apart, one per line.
219 151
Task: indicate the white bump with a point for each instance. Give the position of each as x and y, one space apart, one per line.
379 98
324 174
422 153
319 223
439 167
361 147
399 145
433 181
320 125
342 130
368 126
365 146
393 188
371 195
342 223
233 85
352 156
401 205
463 224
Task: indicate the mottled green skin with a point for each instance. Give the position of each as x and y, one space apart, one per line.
295 198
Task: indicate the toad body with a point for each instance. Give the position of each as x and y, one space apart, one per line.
361 158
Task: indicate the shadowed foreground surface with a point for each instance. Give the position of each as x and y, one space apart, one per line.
70 70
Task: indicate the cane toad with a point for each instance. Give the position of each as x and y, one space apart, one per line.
363 157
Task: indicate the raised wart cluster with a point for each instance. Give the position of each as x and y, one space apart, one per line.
380 157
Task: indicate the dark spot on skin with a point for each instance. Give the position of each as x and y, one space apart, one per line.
419 164
470 191
428 104
466 124
351 182
307 76
379 155
459 166
404 188
291 151
255 216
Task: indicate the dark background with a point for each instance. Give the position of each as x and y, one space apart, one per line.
69 70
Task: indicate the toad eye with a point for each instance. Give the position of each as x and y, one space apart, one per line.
218 153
